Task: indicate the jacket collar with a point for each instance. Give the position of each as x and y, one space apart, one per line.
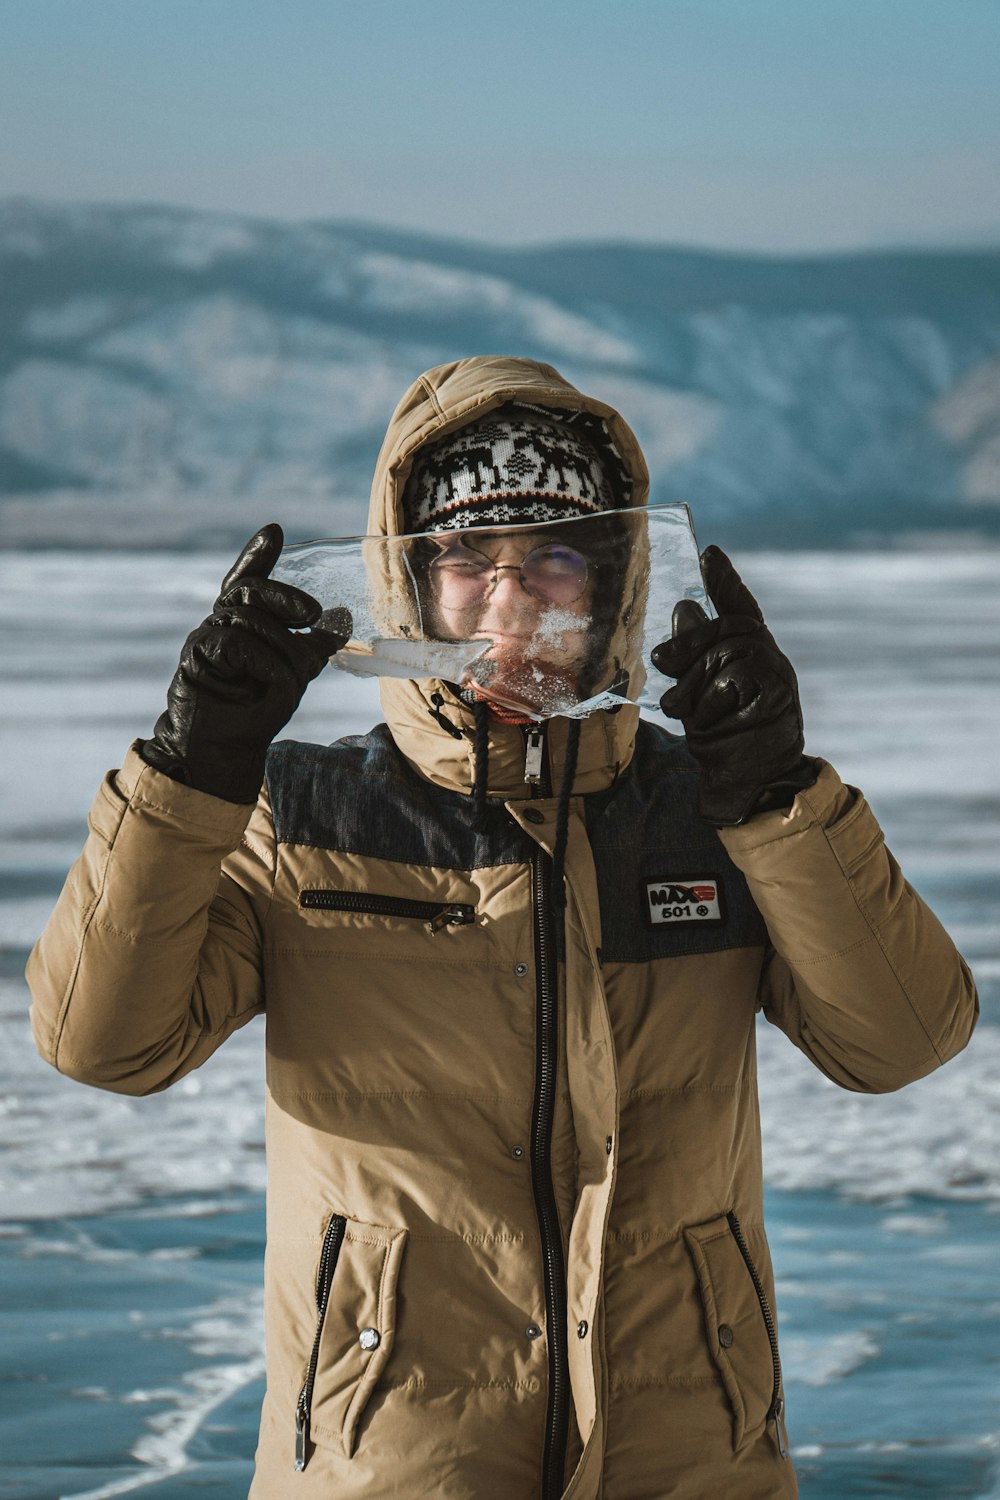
606 742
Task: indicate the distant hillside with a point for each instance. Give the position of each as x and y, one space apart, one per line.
174 376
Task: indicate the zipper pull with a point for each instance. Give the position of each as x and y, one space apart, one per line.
533 756
458 914
780 1433
301 1434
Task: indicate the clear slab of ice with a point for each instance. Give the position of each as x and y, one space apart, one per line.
639 562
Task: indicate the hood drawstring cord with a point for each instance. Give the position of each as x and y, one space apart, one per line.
562 816
480 784
481 780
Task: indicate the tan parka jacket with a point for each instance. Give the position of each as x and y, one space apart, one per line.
515 1245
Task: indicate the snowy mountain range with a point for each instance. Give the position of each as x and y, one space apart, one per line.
172 376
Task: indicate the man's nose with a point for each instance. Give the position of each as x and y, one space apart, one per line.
515 583
507 606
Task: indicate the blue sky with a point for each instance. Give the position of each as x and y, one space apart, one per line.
750 124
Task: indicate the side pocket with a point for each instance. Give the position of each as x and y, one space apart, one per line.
356 1281
740 1327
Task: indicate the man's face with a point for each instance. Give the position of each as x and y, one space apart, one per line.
528 593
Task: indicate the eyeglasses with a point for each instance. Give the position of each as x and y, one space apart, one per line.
555 573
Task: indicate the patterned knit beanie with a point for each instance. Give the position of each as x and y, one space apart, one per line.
515 465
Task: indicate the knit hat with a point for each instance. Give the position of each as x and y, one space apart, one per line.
515 465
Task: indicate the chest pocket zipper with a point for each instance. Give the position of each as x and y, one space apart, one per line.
435 914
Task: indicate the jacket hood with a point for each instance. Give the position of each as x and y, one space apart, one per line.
441 400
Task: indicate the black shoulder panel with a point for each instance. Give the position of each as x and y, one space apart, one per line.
360 796
650 845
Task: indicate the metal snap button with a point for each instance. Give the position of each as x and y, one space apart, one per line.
520 970
517 1152
532 815
581 1328
533 1331
725 1336
369 1338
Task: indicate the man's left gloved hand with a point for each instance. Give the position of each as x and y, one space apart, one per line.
738 700
241 675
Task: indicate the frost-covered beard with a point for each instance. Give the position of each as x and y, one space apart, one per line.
547 654
542 673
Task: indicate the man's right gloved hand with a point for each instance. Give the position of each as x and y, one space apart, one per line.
738 699
241 675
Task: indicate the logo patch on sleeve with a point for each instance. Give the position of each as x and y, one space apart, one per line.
680 899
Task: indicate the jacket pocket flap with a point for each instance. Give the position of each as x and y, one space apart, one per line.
358 1329
735 1324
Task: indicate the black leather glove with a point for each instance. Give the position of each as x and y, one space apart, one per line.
241 675
738 699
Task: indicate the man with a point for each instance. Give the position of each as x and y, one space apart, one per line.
515 1238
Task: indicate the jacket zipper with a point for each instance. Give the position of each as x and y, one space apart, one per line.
332 1241
436 914
543 1108
776 1411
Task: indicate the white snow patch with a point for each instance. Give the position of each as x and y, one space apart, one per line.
672 425
191 241
822 1359
395 284
87 421
939 1137
924 1225
70 1150
231 1331
969 414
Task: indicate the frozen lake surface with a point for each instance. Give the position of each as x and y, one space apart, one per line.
131 1247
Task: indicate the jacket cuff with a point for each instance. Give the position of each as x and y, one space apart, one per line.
143 786
823 804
